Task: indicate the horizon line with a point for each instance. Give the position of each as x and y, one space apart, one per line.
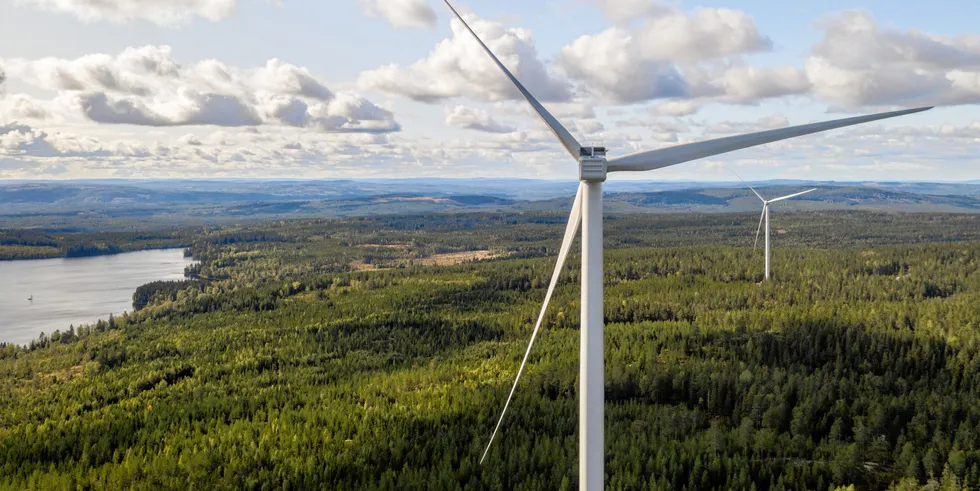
540 179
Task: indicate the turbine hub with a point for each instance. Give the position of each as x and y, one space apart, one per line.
592 165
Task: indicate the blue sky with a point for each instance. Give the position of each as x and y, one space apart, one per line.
387 88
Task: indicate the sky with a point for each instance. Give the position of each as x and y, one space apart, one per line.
397 88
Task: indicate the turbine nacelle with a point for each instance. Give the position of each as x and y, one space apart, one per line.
592 164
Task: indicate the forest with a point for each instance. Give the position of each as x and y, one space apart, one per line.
377 353
46 244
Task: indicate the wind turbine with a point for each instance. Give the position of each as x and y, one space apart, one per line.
587 211
765 216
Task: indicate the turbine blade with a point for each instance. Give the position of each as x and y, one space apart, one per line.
574 220
566 138
750 187
757 232
664 157
792 195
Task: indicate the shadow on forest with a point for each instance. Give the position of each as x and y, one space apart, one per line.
899 359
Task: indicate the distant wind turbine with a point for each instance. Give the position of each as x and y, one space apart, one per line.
587 211
765 216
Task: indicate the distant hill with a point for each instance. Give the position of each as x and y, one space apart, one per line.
971 188
741 200
207 190
98 195
201 201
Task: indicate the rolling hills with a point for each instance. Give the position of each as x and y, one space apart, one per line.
119 204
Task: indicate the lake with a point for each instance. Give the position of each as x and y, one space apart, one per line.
76 291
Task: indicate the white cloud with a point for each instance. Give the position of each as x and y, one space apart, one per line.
188 108
585 127
99 108
561 110
89 72
659 52
746 84
20 106
475 119
660 131
971 131
766 123
944 132
354 107
189 139
283 151
278 119
402 13
220 138
879 167
145 86
27 151
658 126
284 78
708 33
625 11
612 67
20 140
664 54
170 13
458 67
675 108
859 64
674 55
349 112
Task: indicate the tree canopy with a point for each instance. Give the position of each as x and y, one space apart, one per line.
354 354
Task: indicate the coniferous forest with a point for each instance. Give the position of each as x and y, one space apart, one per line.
377 353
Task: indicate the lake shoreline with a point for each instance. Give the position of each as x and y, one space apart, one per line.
83 256
57 293
33 243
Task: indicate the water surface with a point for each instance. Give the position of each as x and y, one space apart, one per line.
76 291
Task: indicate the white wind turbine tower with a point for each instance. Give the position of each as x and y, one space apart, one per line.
765 216
587 211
